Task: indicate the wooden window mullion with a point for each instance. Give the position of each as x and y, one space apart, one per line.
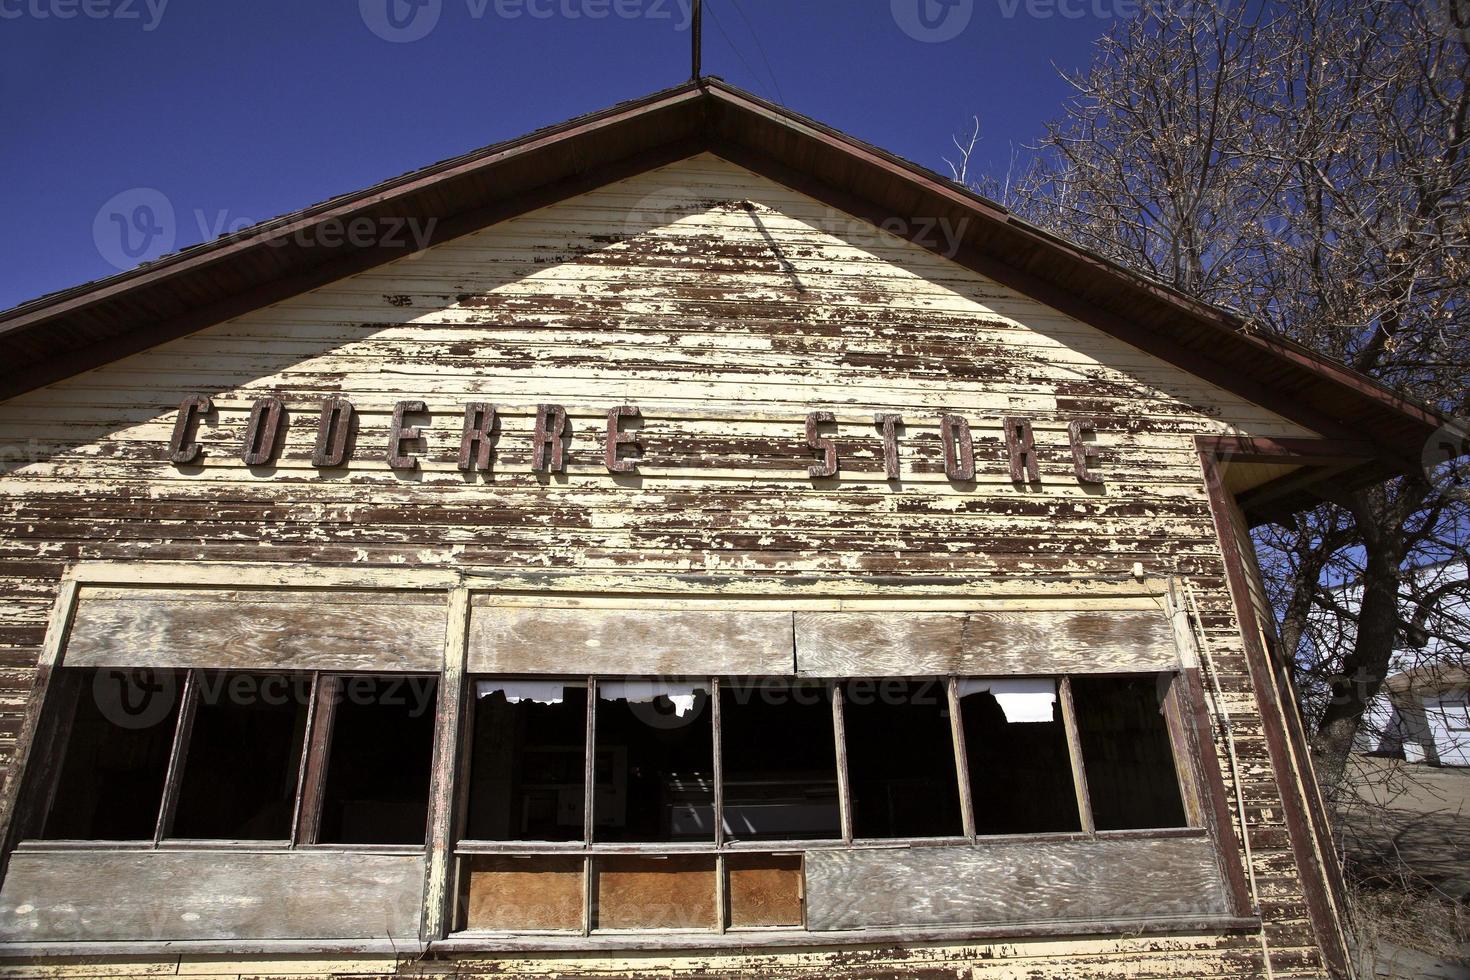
961 757
839 737
589 818
1074 752
325 699
449 718
178 756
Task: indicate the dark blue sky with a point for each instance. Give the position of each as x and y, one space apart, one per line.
240 111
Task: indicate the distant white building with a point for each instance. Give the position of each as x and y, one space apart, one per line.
1423 710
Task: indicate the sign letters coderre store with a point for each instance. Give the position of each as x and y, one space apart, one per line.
265 434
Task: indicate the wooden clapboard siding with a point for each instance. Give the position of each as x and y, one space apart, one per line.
983 643
663 291
640 640
1011 883
244 630
60 896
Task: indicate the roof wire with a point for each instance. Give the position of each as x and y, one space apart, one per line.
714 19
761 49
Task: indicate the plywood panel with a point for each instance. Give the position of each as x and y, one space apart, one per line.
1011 883
676 892
524 893
550 640
764 889
867 644
258 629
58 896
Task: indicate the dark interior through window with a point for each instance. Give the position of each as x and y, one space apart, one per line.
654 771
243 758
378 767
900 759
118 738
528 761
780 761
1125 749
1020 772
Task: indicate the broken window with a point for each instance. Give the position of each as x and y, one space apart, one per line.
1020 770
249 728
1126 752
378 767
779 761
654 772
900 759
528 761
119 737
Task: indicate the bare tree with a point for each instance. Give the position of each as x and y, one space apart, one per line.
1305 165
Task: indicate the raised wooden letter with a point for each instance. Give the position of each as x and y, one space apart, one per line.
183 448
263 431
478 443
546 448
398 456
1083 453
889 425
616 437
1021 445
959 448
822 444
332 431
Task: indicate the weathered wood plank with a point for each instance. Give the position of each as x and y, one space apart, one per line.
1013 883
550 640
982 643
62 896
275 630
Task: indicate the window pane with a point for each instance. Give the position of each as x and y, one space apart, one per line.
244 757
900 759
528 761
780 761
1016 747
655 762
116 758
382 750
1125 749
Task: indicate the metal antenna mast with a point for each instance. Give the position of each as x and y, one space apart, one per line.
698 42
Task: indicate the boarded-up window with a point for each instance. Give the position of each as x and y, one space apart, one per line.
526 893
764 890
667 892
1126 751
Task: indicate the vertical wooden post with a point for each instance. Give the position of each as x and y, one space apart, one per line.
436 920
61 616
589 817
177 757
961 757
305 764
718 803
1074 751
839 736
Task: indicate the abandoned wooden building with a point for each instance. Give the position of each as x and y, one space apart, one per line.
714 547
